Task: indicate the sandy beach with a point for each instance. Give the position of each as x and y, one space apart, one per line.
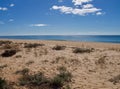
91 65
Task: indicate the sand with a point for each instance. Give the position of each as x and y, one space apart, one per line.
89 70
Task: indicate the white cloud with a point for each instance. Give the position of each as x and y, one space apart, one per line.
76 11
79 8
11 20
12 5
38 25
80 2
3 8
88 6
99 13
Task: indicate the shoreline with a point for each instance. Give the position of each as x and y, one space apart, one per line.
67 42
74 38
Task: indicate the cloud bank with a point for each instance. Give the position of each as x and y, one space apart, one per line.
81 7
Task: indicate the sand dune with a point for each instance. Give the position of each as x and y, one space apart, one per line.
92 65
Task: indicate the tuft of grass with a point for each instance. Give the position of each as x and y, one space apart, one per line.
18 56
3 84
11 46
59 58
58 47
3 66
62 69
8 53
29 62
5 42
101 60
115 80
30 45
82 50
25 71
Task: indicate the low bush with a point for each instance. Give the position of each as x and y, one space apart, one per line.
3 84
39 81
8 53
58 47
30 45
60 79
34 80
5 42
82 50
56 82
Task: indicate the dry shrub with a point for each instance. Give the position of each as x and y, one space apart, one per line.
58 59
39 81
18 56
29 62
30 45
61 79
5 42
24 71
4 84
83 50
8 53
33 80
58 47
101 60
11 46
115 80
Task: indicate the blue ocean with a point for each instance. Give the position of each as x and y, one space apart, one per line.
83 38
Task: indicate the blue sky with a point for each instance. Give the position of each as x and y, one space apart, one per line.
59 17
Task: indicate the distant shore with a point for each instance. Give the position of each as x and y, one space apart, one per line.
77 38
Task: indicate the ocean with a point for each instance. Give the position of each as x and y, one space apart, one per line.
83 38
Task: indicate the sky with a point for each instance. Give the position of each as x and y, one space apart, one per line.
59 17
